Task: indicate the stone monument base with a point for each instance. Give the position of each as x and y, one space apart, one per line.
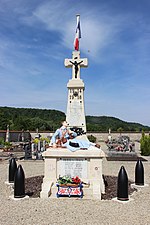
87 164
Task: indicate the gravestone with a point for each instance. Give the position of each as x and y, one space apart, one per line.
28 151
109 135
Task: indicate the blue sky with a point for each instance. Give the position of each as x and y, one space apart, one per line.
36 36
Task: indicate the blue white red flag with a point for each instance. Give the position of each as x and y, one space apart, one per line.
78 34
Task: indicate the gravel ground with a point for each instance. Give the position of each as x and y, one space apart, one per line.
36 211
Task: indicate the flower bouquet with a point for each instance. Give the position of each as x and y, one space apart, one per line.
68 181
68 186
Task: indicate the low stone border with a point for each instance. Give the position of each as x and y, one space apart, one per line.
33 187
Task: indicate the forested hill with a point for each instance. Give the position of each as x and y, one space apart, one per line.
49 120
103 123
30 119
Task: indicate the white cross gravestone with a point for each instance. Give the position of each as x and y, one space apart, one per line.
75 107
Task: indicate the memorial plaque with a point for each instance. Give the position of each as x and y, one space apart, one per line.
72 167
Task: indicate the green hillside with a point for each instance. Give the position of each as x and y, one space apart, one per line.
30 119
103 123
49 120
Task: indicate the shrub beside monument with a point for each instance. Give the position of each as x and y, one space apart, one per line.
145 144
92 138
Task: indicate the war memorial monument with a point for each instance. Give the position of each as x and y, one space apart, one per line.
84 163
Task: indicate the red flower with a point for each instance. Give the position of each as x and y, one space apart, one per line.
76 180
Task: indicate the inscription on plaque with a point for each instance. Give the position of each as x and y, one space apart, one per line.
73 167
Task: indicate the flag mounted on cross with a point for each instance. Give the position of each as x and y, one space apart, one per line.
78 34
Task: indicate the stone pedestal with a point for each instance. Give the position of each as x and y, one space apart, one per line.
87 164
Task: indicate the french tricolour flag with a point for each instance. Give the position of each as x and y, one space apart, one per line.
78 34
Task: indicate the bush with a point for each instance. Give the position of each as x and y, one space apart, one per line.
36 140
145 144
92 138
7 144
2 141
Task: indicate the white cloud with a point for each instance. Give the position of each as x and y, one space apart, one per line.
97 31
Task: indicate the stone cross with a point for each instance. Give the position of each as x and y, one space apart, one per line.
76 62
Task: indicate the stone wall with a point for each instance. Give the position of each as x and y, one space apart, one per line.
16 136
99 136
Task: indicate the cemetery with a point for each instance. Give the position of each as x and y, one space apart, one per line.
73 182
89 210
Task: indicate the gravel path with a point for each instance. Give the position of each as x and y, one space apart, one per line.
36 211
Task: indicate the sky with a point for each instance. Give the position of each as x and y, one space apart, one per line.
36 36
